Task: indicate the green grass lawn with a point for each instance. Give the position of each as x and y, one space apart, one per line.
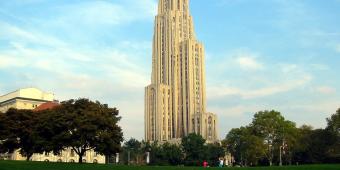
16 165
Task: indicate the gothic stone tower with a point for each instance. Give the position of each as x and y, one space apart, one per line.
175 102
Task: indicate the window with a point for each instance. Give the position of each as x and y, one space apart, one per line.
72 153
47 154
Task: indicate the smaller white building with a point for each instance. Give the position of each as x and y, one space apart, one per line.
26 98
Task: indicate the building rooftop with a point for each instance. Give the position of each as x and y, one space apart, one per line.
46 106
28 93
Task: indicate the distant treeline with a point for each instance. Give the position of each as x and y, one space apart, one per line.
270 139
261 143
191 151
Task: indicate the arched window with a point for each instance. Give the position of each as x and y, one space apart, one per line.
84 160
46 160
210 124
59 160
71 160
95 161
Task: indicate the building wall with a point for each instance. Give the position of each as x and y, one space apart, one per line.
70 156
177 65
28 98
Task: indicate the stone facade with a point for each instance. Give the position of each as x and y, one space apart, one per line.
175 101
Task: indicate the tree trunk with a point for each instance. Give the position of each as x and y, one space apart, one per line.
80 159
28 157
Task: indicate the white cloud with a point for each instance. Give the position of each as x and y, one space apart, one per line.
325 90
285 87
280 87
238 110
13 32
248 62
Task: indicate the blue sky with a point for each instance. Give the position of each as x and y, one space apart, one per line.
260 55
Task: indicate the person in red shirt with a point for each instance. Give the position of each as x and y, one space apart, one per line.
205 164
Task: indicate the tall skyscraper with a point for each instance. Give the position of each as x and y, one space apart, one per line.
175 102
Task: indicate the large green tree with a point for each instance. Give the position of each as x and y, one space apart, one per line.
156 154
172 153
85 125
246 148
275 131
20 133
318 144
194 149
300 150
51 128
214 152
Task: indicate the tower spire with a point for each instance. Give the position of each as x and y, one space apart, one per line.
172 5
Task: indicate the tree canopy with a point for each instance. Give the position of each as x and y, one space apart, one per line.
78 124
194 149
88 125
270 139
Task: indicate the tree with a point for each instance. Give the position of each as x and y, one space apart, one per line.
165 154
21 133
3 132
172 154
333 123
213 152
318 145
333 127
85 125
132 150
300 150
157 153
50 127
246 148
194 149
233 143
274 130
